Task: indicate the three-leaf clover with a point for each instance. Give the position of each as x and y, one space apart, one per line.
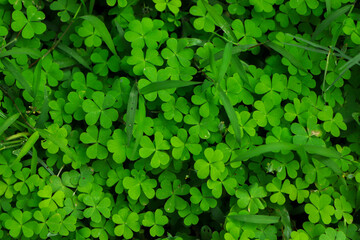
48 222
97 204
65 7
156 221
320 208
176 53
91 35
140 61
267 113
332 123
139 183
263 5
204 198
127 222
20 223
98 139
204 20
100 107
173 192
86 87
184 145
251 198
159 157
213 165
31 24
51 200
117 146
275 187
152 76
173 5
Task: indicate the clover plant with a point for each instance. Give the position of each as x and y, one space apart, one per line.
171 119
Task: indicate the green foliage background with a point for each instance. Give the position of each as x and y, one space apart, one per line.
170 119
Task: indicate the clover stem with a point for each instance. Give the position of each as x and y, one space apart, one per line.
60 170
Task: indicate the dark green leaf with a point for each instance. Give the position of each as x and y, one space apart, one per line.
130 112
257 219
8 122
72 53
157 86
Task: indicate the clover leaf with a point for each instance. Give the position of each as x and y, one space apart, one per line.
296 192
27 182
144 33
229 184
116 176
148 149
204 20
272 88
100 58
57 113
176 53
213 165
263 5
51 71
204 198
206 101
74 106
156 221
97 204
65 7
117 146
152 76
251 198
184 145
91 35
173 5
319 208
59 134
86 87
303 5
127 222
275 186
343 209
331 233
190 214
298 109
247 31
53 200
266 113
201 127
48 222
31 24
100 107
139 183
140 61
172 193
175 108
20 223
98 139
332 123
352 29
121 3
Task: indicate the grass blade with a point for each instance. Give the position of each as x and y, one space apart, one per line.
285 220
102 30
322 151
286 54
157 86
17 75
140 127
72 53
43 117
225 62
34 160
130 112
345 68
220 21
8 122
26 148
332 17
37 78
21 51
230 111
257 219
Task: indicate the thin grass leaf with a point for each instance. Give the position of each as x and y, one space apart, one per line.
306 48
37 78
140 126
44 115
102 30
130 112
225 62
21 51
157 86
328 6
120 30
42 163
262 149
303 155
17 75
220 21
8 122
63 147
239 69
286 54
345 68
212 62
257 219
34 161
194 42
230 111
332 17
72 53
285 220
322 151
26 148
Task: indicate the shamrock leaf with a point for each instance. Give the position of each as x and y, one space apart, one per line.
59 134
247 31
204 20
117 146
173 192
100 58
234 89
183 146
343 209
204 198
51 71
149 149
27 182
213 164
296 192
311 135
319 208
65 7
272 88
173 5
145 32
352 29
201 127
332 234
332 124
20 223
229 184
297 110
98 139
277 196
302 6
251 198
86 87
175 108
206 101
91 35
263 5
74 106
176 53
140 61
100 107
190 214
97 204
156 222
31 24
52 200
139 183
267 113
127 222
116 176
57 113
48 222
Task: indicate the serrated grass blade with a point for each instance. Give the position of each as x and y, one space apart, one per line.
8 122
72 53
257 219
157 86
286 54
332 17
17 75
102 30
130 112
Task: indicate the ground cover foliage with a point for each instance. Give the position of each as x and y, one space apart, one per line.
169 119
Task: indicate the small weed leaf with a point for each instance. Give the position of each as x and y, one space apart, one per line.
31 24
